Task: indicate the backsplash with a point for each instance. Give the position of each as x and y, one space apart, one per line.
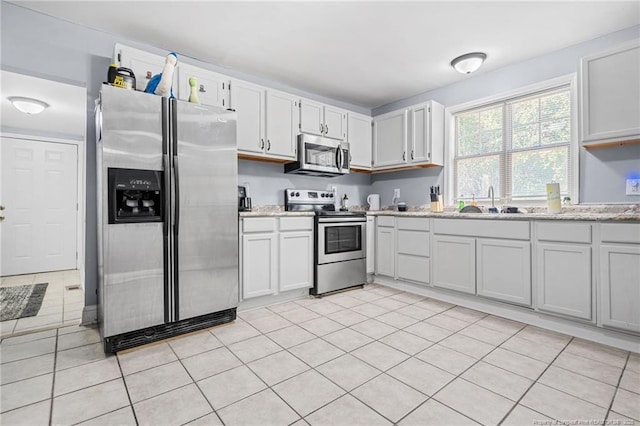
267 182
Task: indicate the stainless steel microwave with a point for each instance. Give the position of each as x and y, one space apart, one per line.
318 156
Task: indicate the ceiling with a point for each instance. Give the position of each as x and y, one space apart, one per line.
65 115
364 53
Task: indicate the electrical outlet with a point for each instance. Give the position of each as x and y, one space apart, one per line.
633 186
396 193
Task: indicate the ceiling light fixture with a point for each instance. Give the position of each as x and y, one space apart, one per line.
466 64
28 105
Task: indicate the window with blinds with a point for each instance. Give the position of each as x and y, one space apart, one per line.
517 145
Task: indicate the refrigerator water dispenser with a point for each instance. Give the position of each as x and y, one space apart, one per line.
135 196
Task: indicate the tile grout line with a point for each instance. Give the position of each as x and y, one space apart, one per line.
537 381
195 383
53 378
455 376
126 388
626 362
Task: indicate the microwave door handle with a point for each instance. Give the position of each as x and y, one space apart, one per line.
339 158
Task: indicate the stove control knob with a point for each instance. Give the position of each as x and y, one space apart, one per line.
297 194
293 194
331 195
322 195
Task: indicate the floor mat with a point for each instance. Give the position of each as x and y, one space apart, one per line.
21 301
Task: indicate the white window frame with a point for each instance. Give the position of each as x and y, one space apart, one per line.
569 80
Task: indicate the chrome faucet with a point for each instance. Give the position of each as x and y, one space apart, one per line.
493 208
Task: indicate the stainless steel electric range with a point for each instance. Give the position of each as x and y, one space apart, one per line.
340 245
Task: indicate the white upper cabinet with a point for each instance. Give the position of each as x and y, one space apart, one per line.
211 88
323 120
427 134
282 122
143 64
248 100
267 120
359 137
390 139
311 117
335 123
610 89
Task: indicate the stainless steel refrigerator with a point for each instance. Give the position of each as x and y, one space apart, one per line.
167 217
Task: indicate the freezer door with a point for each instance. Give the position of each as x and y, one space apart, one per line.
131 255
206 214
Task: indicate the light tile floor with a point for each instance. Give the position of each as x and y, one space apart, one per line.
365 357
62 305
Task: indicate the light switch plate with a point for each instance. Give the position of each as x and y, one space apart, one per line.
633 186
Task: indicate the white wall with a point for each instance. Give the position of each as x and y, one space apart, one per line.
602 172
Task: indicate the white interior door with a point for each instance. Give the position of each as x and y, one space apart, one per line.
39 191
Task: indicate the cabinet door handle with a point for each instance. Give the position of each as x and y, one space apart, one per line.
412 154
428 155
202 89
404 156
268 145
149 75
326 129
261 143
321 128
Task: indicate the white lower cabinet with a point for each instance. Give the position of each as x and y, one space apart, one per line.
454 263
564 283
563 279
620 285
485 257
259 265
413 247
371 244
276 255
385 250
296 260
504 270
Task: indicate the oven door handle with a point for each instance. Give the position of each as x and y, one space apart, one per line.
341 220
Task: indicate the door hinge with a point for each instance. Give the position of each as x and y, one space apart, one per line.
223 85
120 58
223 102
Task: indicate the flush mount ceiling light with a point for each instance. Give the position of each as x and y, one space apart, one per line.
466 64
28 105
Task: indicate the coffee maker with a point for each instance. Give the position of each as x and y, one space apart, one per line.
244 202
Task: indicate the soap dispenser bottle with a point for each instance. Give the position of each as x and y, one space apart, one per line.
345 203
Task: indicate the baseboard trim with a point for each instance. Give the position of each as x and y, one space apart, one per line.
605 336
89 315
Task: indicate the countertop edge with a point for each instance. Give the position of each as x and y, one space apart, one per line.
593 217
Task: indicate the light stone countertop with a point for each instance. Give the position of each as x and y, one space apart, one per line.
610 212
272 211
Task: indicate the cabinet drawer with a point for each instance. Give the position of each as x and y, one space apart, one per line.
620 233
296 224
413 268
413 223
562 231
259 224
489 228
388 221
413 242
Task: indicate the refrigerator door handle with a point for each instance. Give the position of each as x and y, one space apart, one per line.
176 179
